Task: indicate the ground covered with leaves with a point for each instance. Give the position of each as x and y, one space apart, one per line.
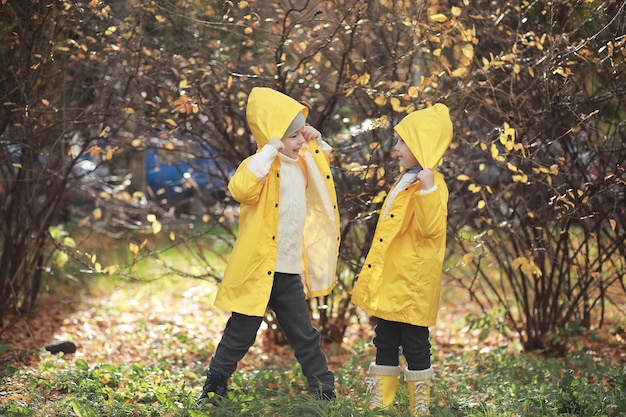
142 349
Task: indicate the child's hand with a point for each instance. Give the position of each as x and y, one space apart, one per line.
276 143
427 178
310 133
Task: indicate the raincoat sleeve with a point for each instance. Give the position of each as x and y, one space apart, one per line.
245 187
431 209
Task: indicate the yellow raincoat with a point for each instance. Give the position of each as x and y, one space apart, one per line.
249 275
401 277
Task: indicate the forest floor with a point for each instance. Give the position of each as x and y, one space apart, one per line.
128 322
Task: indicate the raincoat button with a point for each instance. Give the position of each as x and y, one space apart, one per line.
327 177
317 151
269 272
276 205
381 239
273 237
391 215
369 265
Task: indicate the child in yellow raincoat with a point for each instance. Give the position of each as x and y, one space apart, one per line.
287 245
400 281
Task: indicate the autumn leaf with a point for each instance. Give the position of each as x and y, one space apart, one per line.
495 154
523 178
527 265
380 197
156 227
468 51
465 259
110 30
363 79
111 269
396 105
439 18
380 100
133 248
413 92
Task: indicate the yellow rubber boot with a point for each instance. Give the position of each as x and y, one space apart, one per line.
418 384
382 384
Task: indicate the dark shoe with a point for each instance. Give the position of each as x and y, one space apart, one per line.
216 384
326 395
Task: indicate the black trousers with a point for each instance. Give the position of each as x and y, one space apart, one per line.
288 301
414 340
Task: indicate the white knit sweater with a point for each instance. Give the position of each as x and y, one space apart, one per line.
407 179
292 208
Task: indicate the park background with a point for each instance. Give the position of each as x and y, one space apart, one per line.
121 122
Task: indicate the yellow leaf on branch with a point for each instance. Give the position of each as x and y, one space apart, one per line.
466 259
363 79
527 266
156 227
396 105
111 269
523 178
379 197
495 154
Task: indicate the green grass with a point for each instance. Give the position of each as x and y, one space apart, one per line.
481 383
494 383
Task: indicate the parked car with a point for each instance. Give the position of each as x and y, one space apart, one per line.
180 173
183 171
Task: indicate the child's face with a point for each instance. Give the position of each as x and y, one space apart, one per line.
405 156
293 144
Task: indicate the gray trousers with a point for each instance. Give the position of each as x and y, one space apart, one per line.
288 301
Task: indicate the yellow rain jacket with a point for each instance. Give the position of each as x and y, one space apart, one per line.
401 277
249 275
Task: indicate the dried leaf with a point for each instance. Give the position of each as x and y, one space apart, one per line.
438 18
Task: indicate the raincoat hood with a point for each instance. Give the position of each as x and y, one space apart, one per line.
270 113
427 133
